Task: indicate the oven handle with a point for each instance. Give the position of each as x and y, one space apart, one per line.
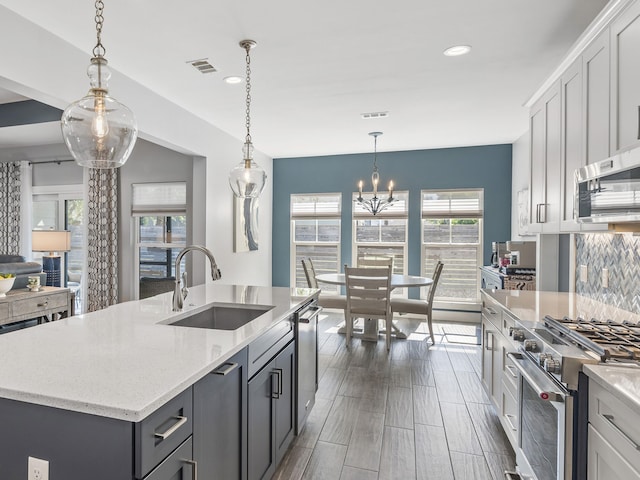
544 388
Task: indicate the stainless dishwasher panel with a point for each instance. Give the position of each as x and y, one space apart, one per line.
307 361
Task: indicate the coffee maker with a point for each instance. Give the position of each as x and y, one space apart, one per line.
498 250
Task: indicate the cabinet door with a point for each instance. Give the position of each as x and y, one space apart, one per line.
572 138
604 462
261 441
596 91
553 162
488 345
285 403
497 365
625 78
220 427
537 139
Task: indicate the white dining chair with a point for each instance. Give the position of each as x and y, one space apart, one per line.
375 262
325 300
368 297
419 306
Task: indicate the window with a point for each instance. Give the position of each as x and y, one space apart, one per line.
315 234
452 233
382 235
159 211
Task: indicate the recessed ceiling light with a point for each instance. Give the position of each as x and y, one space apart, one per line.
457 50
233 80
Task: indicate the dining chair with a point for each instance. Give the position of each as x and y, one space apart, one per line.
324 300
419 306
375 262
368 297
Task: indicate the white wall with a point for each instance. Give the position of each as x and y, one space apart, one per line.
520 176
41 66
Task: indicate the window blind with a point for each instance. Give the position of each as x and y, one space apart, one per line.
148 198
452 204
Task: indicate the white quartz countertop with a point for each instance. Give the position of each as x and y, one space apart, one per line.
532 306
622 382
124 361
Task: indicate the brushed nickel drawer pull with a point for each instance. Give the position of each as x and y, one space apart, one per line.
194 468
43 304
511 369
609 418
164 435
510 422
226 368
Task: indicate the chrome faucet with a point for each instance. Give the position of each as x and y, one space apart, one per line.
179 294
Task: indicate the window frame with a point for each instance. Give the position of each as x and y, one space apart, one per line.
315 215
451 214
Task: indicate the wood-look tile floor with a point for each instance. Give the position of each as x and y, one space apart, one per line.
416 412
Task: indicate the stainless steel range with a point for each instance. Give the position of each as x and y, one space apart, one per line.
553 391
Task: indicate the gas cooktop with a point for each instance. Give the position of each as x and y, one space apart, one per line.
608 339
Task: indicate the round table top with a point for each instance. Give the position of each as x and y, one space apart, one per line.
397 281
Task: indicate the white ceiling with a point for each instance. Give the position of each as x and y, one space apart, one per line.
319 65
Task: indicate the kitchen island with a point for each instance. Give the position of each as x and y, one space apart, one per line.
115 369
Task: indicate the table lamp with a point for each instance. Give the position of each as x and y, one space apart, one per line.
51 241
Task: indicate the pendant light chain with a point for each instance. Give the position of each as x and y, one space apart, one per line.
99 50
248 88
375 153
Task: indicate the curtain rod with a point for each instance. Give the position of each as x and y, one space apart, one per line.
51 161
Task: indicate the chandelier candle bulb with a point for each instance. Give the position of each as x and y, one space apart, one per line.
360 184
390 189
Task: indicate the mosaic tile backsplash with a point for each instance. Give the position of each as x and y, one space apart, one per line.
621 255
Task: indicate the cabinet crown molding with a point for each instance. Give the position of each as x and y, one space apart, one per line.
597 26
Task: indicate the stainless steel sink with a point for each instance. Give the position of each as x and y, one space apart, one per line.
223 317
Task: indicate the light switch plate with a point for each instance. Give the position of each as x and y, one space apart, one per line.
583 274
605 278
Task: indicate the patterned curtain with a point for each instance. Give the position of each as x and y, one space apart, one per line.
102 238
10 186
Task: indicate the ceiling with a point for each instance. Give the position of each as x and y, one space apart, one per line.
319 65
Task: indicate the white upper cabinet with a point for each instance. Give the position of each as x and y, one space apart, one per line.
596 88
571 85
625 79
545 131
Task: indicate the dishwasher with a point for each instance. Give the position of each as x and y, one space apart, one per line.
306 333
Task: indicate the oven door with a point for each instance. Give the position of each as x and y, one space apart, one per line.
545 440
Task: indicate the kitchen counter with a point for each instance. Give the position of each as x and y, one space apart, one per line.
124 362
532 306
621 382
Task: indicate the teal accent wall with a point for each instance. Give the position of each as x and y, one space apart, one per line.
487 167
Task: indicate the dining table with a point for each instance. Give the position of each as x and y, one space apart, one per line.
370 330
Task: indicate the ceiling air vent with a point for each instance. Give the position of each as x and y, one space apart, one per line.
203 65
367 116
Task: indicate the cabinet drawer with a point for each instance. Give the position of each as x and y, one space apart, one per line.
161 432
508 322
617 423
40 303
267 345
509 414
510 374
492 313
177 466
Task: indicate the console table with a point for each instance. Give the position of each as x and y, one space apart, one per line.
50 303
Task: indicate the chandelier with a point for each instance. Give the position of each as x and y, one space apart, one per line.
99 131
375 204
247 179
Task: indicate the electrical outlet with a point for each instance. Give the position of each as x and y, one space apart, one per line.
583 274
38 469
605 278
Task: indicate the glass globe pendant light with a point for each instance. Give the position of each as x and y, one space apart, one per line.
247 179
99 131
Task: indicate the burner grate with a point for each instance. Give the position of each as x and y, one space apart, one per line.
609 339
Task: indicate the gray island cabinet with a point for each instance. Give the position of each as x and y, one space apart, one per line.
233 417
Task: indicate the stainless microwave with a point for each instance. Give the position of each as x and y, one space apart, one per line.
609 191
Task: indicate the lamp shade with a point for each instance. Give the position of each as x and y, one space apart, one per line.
51 240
